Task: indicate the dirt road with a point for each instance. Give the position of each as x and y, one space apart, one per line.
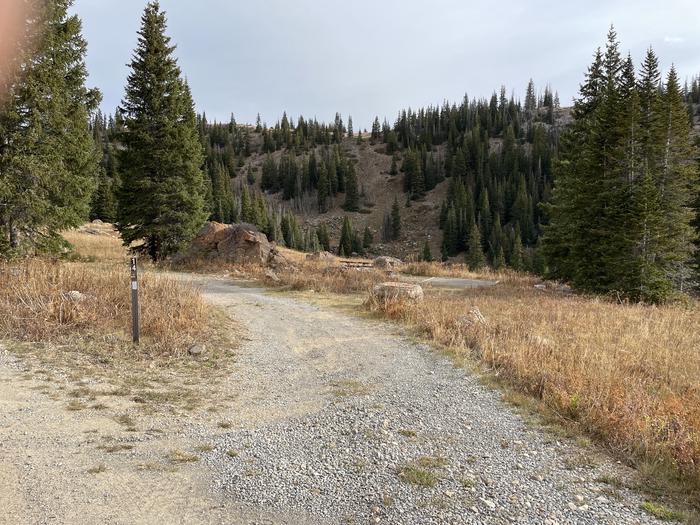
329 418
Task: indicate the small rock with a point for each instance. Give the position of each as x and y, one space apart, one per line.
473 318
489 503
271 275
74 296
196 350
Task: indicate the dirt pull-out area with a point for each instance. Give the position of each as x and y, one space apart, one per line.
324 418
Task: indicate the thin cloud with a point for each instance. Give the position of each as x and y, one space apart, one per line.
674 39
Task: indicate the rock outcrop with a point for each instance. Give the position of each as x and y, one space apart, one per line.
236 243
386 263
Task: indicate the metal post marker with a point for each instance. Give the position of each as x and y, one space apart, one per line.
134 301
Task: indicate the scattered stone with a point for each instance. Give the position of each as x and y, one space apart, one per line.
323 256
272 275
391 290
196 350
473 318
387 263
74 296
489 503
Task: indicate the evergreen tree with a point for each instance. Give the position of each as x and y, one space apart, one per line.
394 170
619 217
104 203
48 159
475 256
247 207
162 194
376 130
426 255
346 238
270 180
516 260
499 261
323 189
530 97
352 197
323 237
395 220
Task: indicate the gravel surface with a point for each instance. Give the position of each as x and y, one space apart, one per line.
326 418
350 409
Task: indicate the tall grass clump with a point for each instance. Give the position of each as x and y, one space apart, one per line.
37 306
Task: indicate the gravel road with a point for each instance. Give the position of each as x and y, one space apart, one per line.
332 419
341 406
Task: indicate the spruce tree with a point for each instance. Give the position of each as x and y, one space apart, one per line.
426 255
104 203
475 256
161 200
323 189
619 216
352 197
395 220
393 170
48 159
247 207
323 237
499 261
346 238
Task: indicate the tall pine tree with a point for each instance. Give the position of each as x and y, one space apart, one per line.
48 159
162 195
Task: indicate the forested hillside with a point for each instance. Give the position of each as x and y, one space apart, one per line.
486 162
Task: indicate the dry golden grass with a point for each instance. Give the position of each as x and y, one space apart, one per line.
628 375
435 269
34 295
105 246
37 307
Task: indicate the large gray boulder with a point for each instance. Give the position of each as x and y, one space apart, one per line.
386 263
396 290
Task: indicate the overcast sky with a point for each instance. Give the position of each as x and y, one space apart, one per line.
375 57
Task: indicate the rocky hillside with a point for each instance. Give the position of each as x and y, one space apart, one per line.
378 189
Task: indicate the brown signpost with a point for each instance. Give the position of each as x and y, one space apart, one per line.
134 301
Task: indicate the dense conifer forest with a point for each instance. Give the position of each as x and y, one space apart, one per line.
603 195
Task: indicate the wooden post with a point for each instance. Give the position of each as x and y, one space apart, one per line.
134 301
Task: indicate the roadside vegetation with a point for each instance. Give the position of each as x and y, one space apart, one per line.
57 301
70 319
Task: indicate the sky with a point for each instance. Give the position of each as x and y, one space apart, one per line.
375 57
